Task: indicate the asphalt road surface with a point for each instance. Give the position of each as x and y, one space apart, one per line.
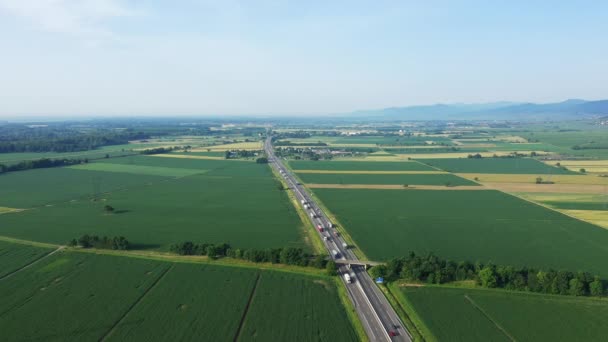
379 319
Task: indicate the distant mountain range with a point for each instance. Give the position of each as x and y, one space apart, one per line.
573 109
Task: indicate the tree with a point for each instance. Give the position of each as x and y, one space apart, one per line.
108 208
487 276
577 287
262 160
378 271
319 262
331 268
539 180
73 243
596 287
583 170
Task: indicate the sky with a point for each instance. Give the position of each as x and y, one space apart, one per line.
188 57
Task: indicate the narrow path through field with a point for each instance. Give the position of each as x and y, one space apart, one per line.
111 330
489 318
240 328
35 261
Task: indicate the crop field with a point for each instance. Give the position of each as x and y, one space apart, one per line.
358 166
392 140
496 165
209 207
592 166
466 225
459 314
191 303
310 311
14 158
25 189
73 296
413 179
252 145
138 169
570 201
14 256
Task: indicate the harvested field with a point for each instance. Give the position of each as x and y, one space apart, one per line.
548 188
394 187
598 217
252 146
590 166
531 178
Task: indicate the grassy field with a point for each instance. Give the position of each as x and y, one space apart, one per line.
495 165
14 256
234 202
112 151
138 169
358 166
569 201
25 189
458 314
309 310
73 296
409 179
467 225
190 303
531 178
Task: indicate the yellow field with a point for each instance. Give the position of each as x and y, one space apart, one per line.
371 172
394 187
598 217
591 166
564 197
5 210
549 188
511 138
531 178
182 156
252 145
450 155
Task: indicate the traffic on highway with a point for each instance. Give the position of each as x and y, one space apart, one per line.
379 319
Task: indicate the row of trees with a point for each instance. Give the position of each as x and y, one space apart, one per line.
159 150
286 255
58 139
432 269
235 154
94 241
40 163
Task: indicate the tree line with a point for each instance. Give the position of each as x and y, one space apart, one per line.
53 139
94 241
159 150
40 163
286 255
434 270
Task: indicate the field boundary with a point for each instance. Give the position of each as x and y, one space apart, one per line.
246 311
486 315
35 261
111 330
412 321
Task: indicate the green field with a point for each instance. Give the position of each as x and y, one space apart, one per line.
458 314
86 297
234 202
358 166
496 165
391 140
311 310
206 154
25 189
72 297
467 225
409 179
112 151
138 169
14 256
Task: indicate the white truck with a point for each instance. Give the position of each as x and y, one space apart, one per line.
312 215
303 202
335 253
344 244
347 278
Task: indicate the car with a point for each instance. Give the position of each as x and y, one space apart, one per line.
392 333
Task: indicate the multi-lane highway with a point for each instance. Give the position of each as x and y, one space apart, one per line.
379 320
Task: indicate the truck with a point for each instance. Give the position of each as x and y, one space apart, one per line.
347 278
335 253
312 215
303 202
344 244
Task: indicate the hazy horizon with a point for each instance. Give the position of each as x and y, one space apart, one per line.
107 58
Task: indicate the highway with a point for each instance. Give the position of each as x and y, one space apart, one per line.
379 319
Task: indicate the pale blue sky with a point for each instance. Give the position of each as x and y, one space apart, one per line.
163 57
